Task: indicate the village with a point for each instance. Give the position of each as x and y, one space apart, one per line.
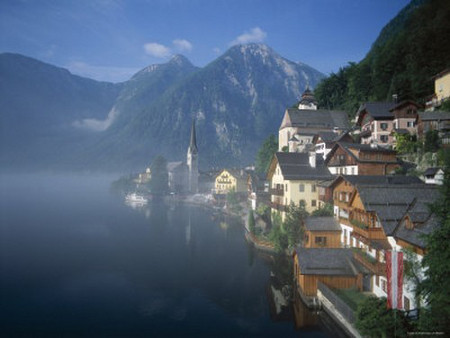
358 199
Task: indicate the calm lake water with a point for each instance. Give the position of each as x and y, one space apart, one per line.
76 261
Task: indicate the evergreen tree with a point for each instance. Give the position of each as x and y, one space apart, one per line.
265 153
159 182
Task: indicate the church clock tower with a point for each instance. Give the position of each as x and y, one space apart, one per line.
192 162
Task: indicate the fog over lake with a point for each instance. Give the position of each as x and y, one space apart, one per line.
76 260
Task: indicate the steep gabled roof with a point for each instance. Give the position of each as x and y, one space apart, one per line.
295 166
390 202
403 103
319 119
366 148
378 111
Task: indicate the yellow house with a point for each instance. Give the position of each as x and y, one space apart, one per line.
442 85
230 180
294 178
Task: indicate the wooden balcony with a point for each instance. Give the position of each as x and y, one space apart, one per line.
276 192
278 206
365 231
369 262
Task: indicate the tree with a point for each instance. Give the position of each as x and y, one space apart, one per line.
159 183
233 202
432 141
435 286
265 153
251 222
325 210
277 234
293 224
373 319
406 143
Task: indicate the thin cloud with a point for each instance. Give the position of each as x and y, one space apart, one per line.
102 73
157 50
182 45
256 34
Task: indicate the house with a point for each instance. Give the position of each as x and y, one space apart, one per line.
376 122
230 180
335 268
368 214
405 116
257 189
409 235
293 178
300 143
435 120
311 121
324 141
441 89
434 176
361 159
322 232
144 178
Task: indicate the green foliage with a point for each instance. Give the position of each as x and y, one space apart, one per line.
233 202
406 143
412 48
325 210
265 153
373 319
251 222
263 211
432 141
435 286
413 273
293 224
159 183
445 106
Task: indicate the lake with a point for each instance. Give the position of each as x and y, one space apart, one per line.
77 261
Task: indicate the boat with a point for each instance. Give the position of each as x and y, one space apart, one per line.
136 198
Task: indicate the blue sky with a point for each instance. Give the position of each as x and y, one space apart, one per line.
112 39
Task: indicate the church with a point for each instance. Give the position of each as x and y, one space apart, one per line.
183 176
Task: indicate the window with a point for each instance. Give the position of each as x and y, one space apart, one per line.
406 304
384 138
383 284
353 170
383 126
377 281
320 241
313 188
301 188
313 203
410 124
286 187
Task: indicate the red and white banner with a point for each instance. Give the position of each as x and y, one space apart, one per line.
394 274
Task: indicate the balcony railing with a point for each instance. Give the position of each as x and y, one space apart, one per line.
278 206
369 262
276 192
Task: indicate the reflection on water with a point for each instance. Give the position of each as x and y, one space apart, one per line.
76 260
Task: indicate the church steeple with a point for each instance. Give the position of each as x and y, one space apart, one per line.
192 161
193 144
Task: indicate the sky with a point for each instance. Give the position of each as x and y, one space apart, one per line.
110 40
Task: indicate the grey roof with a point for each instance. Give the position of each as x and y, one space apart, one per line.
295 166
366 148
380 244
416 236
329 136
322 224
390 202
324 119
431 171
434 115
381 179
326 261
378 110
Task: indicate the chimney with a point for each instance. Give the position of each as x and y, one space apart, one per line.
312 159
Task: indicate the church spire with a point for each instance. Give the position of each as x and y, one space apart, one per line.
193 144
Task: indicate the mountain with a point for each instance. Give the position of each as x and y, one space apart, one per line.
237 100
411 49
39 105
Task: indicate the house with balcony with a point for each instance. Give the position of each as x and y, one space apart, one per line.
435 120
324 141
441 90
409 234
361 159
376 122
369 213
322 232
230 180
294 178
310 121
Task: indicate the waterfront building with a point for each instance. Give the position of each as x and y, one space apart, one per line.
361 159
294 178
322 232
230 180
